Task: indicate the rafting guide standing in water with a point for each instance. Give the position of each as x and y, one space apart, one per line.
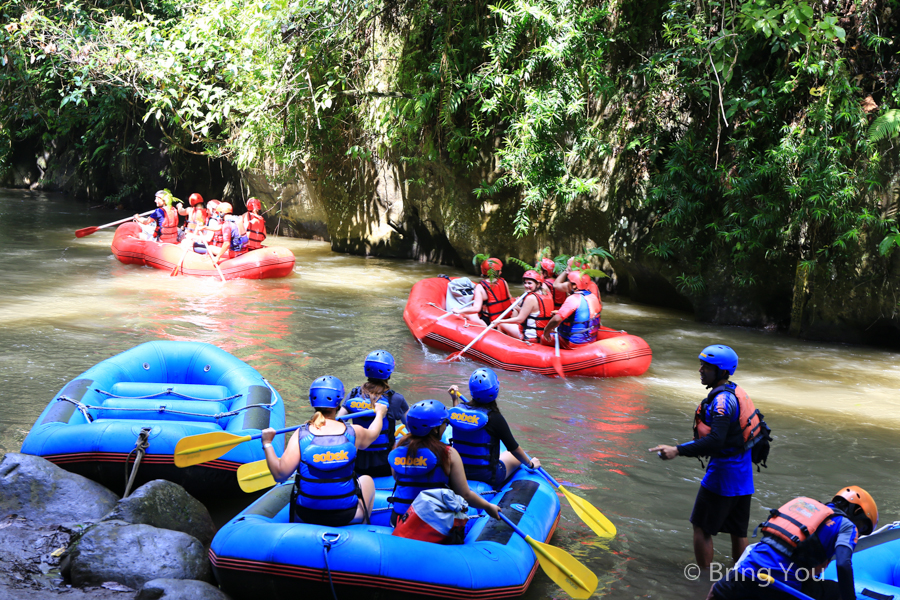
726 427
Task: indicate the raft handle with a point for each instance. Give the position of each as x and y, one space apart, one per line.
146 366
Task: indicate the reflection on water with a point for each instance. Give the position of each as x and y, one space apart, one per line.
67 304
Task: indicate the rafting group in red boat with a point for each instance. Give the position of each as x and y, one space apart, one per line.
552 329
214 242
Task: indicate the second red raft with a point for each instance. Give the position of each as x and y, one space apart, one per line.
614 354
264 263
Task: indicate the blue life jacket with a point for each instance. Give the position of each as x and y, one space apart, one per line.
238 241
423 472
383 444
579 327
479 451
325 478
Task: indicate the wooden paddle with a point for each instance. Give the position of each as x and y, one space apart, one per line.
425 329
573 577
204 447
215 264
557 361
782 586
457 355
586 511
89 230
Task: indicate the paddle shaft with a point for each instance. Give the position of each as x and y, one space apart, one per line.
557 362
489 327
215 264
92 229
783 586
537 548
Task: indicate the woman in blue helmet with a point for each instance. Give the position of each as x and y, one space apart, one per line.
478 429
421 461
379 366
322 453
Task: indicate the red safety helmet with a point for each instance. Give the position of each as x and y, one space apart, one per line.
254 204
225 208
195 199
211 205
580 281
548 266
491 264
866 506
533 275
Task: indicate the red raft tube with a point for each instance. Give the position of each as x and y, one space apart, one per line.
614 354
265 263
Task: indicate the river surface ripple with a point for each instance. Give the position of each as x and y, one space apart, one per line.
835 409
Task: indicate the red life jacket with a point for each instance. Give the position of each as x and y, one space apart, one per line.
218 236
538 323
749 418
256 230
592 288
197 218
497 299
167 233
559 297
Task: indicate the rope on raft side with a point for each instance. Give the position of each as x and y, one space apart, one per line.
85 408
166 392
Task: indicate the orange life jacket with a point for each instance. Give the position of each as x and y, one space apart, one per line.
796 521
497 299
197 218
533 328
749 419
256 230
167 233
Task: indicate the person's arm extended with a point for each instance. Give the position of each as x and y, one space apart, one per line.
365 437
843 558
531 463
529 305
477 301
281 467
459 485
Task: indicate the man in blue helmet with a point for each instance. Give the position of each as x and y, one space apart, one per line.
723 502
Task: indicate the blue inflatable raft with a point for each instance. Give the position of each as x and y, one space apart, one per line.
156 394
260 553
876 565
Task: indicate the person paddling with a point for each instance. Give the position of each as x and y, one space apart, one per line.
165 219
491 298
478 429
577 321
378 367
535 311
322 453
254 224
422 461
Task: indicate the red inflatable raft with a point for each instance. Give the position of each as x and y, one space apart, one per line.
257 264
614 354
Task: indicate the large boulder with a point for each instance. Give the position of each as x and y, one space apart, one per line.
36 489
135 554
165 505
179 589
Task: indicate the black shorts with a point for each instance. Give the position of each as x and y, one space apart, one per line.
721 514
328 518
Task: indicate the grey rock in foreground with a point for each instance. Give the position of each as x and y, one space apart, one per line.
36 489
179 589
165 505
135 554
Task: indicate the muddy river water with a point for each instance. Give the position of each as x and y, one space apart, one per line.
67 304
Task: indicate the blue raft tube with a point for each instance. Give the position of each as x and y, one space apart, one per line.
260 553
154 395
876 565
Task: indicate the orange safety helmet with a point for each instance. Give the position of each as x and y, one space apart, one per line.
533 275
860 498
548 266
254 204
491 264
580 281
225 208
195 199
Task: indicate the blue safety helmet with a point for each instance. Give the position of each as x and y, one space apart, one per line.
425 416
484 385
326 392
720 356
379 365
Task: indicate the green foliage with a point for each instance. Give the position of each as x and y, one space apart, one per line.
885 126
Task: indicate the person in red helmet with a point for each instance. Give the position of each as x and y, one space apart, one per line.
577 321
197 216
491 297
548 270
254 224
534 313
227 241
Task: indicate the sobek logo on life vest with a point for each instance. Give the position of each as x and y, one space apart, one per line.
330 457
405 461
473 419
359 404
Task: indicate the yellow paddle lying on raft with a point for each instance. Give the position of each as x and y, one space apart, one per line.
204 447
573 577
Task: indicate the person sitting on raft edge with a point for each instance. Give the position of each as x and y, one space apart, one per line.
165 219
535 311
577 322
491 298
421 461
322 453
254 224
478 429
196 215
378 368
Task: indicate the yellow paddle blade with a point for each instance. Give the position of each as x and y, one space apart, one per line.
255 476
573 577
204 447
588 513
